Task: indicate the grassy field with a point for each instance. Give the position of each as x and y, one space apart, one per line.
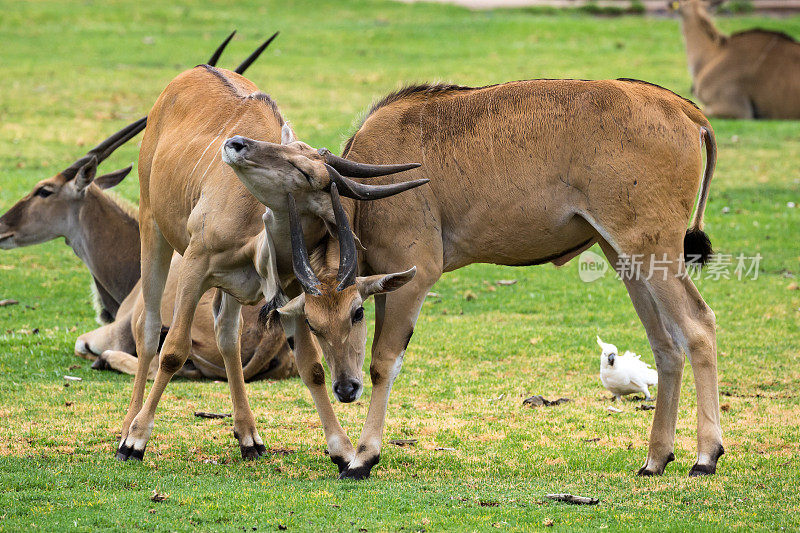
73 72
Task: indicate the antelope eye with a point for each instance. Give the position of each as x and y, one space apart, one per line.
358 315
44 193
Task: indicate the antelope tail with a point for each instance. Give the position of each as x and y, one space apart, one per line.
696 244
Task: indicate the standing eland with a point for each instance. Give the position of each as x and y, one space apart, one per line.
521 173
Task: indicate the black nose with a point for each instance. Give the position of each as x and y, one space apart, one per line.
346 390
237 143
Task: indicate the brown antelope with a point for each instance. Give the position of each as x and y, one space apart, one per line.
750 74
104 232
192 203
521 173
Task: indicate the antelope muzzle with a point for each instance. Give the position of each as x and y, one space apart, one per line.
347 390
236 149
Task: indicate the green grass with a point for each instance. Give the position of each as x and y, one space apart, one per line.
74 72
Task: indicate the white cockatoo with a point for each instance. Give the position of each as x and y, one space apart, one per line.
625 374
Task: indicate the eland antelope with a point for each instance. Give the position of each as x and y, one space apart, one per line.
104 232
192 203
521 173
750 74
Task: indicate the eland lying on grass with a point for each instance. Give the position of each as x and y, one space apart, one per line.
192 203
521 173
750 74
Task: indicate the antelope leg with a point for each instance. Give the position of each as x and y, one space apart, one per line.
192 283
309 364
227 325
392 336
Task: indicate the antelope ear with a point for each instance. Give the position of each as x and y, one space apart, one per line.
112 179
295 308
367 286
287 134
85 174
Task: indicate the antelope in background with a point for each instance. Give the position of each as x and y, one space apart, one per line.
193 204
104 232
749 74
521 173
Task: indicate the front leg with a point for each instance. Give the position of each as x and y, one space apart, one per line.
392 336
309 364
177 345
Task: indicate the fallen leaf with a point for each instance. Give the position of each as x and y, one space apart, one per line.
156 497
281 527
434 295
613 409
534 401
548 522
535 340
506 282
645 407
280 451
68 404
469 296
403 442
74 367
4 303
791 287
725 407
596 439
538 400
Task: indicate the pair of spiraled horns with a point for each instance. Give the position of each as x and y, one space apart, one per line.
107 147
348 254
337 166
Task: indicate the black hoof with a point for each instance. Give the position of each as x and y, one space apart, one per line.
707 470
126 452
253 452
100 364
360 472
644 472
702 470
340 463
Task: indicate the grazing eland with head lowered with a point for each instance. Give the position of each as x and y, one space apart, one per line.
193 203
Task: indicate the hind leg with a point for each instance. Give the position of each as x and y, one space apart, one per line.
691 324
669 364
227 321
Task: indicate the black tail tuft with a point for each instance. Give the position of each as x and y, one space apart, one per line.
697 247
